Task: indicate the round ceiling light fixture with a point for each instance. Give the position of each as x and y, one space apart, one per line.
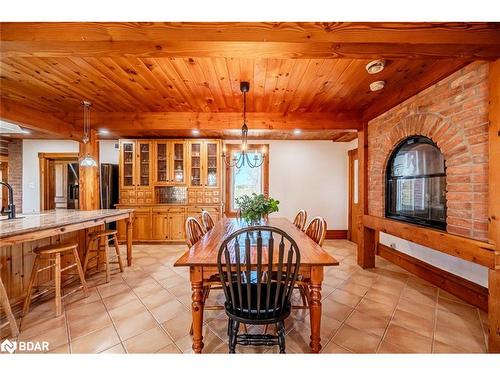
375 66
377 85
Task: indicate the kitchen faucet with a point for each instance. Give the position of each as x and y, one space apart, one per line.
11 209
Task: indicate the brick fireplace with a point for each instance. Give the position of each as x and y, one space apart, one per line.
454 114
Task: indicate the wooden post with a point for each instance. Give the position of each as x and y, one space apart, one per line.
367 238
89 176
494 207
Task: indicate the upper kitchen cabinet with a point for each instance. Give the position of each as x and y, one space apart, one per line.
204 164
135 172
169 162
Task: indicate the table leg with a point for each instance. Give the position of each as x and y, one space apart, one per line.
130 224
197 307
315 308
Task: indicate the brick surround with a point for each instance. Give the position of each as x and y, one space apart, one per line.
454 114
15 171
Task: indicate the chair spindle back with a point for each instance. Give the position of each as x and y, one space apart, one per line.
300 219
245 261
316 230
207 220
194 231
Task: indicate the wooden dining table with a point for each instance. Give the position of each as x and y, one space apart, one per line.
201 259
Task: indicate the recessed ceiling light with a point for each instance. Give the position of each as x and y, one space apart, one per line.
103 131
297 131
377 85
375 66
196 132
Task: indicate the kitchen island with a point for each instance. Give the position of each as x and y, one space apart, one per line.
19 236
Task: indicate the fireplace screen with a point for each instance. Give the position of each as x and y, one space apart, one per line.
416 183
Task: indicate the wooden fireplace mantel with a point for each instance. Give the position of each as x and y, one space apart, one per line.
479 252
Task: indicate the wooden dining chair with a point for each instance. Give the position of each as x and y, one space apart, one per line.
316 230
252 297
300 219
207 220
194 231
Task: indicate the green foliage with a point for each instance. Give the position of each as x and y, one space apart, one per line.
254 207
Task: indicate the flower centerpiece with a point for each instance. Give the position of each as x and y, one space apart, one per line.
253 208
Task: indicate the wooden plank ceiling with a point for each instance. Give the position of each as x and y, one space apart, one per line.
329 92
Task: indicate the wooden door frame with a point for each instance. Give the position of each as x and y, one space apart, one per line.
4 160
230 147
352 154
43 159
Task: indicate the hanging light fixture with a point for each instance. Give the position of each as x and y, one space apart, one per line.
244 158
88 160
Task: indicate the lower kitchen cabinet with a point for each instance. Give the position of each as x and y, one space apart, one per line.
161 223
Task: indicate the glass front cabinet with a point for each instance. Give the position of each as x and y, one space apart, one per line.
170 162
135 172
204 172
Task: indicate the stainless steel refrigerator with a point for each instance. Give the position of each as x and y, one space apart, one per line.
109 187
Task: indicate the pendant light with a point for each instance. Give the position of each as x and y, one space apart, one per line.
88 160
244 159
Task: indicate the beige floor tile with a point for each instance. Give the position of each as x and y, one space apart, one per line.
382 297
344 297
332 348
95 342
413 322
108 290
86 325
356 340
388 348
55 337
461 309
367 323
178 326
354 288
419 297
148 290
157 299
168 311
83 311
119 299
63 349
210 340
127 310
41 327
148 342
376 309
408 340
135 325
440 347
336 310
466 324
462 339
169 349
419 309
117 349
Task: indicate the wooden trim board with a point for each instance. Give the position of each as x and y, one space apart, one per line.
474 251
336 234
464 289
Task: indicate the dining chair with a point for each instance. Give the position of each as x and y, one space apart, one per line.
207 220
194 231
316 230
251 296
300 219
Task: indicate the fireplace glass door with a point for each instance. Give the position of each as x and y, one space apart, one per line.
416 183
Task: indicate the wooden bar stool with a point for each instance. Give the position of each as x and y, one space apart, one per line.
102 238
52 255
4 302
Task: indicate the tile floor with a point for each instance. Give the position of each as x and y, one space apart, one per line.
146 310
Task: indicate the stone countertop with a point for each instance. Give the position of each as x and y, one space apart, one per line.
52 219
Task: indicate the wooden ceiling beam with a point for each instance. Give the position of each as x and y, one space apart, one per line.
43 122
253 40
121 122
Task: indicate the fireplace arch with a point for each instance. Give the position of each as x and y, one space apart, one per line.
416 183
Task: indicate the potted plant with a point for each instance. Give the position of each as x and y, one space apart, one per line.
253 208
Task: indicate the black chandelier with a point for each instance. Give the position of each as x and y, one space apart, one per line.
244 158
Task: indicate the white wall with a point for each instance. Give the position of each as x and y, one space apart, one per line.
31 168
310 175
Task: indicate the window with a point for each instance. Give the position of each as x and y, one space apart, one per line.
416 183
246 180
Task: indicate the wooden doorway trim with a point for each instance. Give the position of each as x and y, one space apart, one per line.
351 236
46 159
230 147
